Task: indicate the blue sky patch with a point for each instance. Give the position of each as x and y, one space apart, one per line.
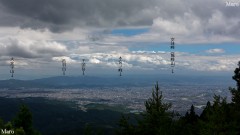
229 48
129 32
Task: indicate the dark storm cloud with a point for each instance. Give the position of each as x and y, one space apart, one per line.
62 15
66 14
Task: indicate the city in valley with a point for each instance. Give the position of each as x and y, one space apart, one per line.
131 98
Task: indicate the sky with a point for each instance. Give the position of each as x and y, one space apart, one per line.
40 33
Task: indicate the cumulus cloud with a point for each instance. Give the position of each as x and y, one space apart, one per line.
216 50
26 48
159 61
131 61
38 31
61 15
189 21
206 63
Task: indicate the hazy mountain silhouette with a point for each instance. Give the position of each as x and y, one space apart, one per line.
112 81
20 84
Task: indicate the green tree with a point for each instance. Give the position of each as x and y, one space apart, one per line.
188 125
23 121
155 121
1 123
235 105
216 119
236 91
206 112
125 127
19 131
88 129
223 118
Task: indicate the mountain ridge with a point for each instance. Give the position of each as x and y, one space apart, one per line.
109 81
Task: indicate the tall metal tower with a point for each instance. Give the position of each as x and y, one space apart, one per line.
120 66
172 47
12 67
83 66
64 66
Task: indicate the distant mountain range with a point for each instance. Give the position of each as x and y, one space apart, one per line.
70 82
106 81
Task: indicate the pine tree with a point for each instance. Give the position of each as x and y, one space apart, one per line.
189 123
216 119
156 120
125 127
1 123
88 129
23 121
236 92
155 104
235 105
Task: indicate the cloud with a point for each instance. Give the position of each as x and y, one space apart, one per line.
169 27
186 61
159 61
200 21
216 50
131 61
61 15
27 48
45 31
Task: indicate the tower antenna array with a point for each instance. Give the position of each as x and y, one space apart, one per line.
12 66
64 66
83 66
172 47
120 66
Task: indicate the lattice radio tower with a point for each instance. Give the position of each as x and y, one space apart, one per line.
120 66
172 47
83 66
12 67
64 66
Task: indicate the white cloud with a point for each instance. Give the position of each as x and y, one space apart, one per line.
68 59
216 50
95 61
168 27
27 48
207 63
